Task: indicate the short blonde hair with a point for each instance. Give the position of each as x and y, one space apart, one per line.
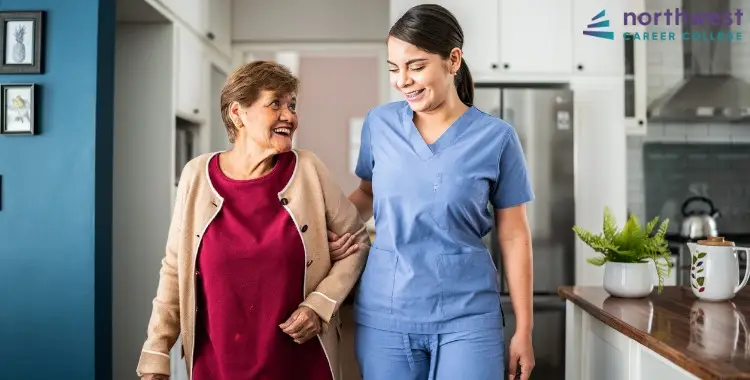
246 83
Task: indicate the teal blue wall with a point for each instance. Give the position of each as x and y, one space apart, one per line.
55 222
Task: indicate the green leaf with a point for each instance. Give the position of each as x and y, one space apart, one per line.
609 226
650 225
701 255
695 259
700 280
700 270
598 261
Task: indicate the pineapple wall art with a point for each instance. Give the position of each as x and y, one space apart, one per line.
21 41
21 45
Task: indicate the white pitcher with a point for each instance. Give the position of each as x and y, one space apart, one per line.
715 269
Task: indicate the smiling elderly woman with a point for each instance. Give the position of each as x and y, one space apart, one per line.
249 278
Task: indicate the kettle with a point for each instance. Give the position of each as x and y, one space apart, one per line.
699 224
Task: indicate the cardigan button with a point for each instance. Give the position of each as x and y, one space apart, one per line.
304 228
284 201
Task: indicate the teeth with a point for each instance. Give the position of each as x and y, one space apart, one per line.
285 131
413 93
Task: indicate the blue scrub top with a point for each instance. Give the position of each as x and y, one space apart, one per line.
428 270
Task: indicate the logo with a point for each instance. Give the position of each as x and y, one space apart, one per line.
597 25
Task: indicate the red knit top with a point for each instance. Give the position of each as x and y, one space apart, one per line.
250 278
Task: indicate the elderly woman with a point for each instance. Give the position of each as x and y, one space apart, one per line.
249 278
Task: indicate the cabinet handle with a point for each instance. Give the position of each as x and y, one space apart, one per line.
640 122
210 36
494 65
195 111
580 67
506 66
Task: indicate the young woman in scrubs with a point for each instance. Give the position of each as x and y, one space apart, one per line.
428 304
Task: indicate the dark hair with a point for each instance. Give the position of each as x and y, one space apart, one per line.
245 84
435 30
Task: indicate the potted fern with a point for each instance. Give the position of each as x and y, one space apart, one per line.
629 255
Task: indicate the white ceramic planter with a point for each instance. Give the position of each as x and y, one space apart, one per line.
628 280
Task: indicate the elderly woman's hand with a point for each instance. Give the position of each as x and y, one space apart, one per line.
302 325
341 246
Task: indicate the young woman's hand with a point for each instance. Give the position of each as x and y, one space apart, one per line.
521 355
341 246
302 325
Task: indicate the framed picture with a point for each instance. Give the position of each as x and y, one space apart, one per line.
21 36
18 112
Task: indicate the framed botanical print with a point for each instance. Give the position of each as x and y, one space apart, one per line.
19 109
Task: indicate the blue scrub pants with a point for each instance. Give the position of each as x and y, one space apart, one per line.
386 355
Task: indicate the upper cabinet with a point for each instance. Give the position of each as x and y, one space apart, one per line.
210 19
535 36
536 39
479 21
594 55
189 86
218 25
636 82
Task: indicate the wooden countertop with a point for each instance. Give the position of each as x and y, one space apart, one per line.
707 339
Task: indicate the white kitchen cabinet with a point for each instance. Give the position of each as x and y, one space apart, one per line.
190 67
192 12
596 351
218 25
592 55
636 62
535 37
479 20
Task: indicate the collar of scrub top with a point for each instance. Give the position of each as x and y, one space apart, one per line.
427 151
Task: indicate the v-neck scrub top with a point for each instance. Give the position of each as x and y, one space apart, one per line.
428 270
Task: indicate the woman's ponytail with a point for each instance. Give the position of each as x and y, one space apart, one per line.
465 84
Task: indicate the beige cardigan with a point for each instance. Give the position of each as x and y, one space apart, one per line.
315 203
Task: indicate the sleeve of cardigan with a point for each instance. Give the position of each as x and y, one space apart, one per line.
164 324
342 217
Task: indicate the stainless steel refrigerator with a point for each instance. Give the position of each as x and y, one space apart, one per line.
542 115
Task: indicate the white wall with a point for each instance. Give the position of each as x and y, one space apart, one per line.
665 70
143 160
310 20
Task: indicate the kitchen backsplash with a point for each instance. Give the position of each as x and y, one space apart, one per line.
677 161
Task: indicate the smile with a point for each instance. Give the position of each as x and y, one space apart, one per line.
414 94
282 131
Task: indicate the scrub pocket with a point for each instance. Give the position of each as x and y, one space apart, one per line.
376 283
455 197
468 285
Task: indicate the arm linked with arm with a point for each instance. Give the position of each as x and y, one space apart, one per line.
362 199
164 324
341 217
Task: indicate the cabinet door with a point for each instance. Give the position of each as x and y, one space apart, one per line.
189 85
479 21
636 61
593 55
218 25
192 13
535 36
